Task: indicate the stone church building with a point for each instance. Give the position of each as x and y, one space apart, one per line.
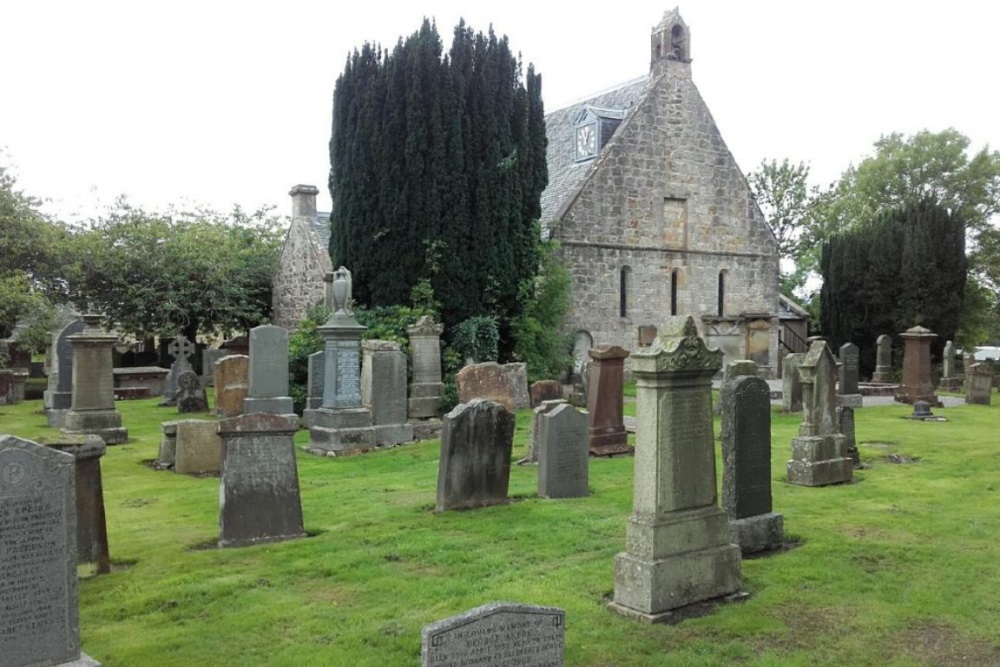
655 217
298 280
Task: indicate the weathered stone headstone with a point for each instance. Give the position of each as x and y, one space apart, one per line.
968 361
677 538
883 359
315 374
259 493
39 616
950 379
505 384
93 407
534 430
59 396
91 526
848 393
268 386
845 424
426 388
341 425
917 384
21 376
167 455
237 345
646 335
383 391
500 634
476 443
791 382
606 401
734 369
746 465
181 349
6 386
819 454
980 381
232 378
563 453
190 395
545 390
208 358
199 449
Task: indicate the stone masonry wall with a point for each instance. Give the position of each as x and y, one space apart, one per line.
297 284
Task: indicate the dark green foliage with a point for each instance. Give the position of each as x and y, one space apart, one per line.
437 168
537 330
476 338
301 343
906 267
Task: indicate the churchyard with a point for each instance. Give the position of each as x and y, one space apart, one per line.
900 567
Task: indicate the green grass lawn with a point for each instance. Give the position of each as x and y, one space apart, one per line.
900 568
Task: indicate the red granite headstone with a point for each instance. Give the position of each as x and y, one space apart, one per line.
606 401
917 384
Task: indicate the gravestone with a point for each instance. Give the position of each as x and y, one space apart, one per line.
167 455
315 374
20 378
819 454
476 443
845 424
199 449
606 401
237 345
678 548
734 369
93 407
181 349
39 615
968 361
746 465
232 378
500 634
426 388
848 393
383 391
916 384
59 396
980 380
791 382
208 358
190 395
563 453
268 385
545 390
505 384
950 379
534 430
259 493
341 425
91 525
6 386
883 359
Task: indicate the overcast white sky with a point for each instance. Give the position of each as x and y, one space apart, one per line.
219 103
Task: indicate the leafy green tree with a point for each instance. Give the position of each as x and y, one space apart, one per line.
537 330
176 272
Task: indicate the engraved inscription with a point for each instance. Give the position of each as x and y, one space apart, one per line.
348 389
500 639
259 465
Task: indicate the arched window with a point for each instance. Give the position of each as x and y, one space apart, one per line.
623 292
674 278
722 293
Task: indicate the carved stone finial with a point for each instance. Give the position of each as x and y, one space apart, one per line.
342 291
683 350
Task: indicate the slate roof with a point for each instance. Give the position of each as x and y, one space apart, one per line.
789 310
566 175
321 227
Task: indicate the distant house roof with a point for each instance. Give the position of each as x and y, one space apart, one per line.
566 175
321 226
789 310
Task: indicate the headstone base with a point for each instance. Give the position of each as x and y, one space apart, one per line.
105 423
851 400
764 532
609 444
425 400
55 418
281 405
426 429
346 430
909 395
83 661
820 460
882 375
674 615
393 434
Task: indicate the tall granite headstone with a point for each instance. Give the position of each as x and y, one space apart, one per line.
268 386
476 443
232 383
59 396
259 493
980 383
917 384
181 349
819 454
191 396
341 425
563 454
791 382
199 449
93 408
426 388
39 614
314 379
500 634
91 525
746 465
883 359
678 548
606 401
383 391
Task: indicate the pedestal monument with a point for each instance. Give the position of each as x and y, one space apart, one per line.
93 405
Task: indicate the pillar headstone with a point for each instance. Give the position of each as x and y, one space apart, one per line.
93 407
267 389
474 467
678 549
426 388
819 454
383 391
606 401
917 384
91 525
232 383
563 453
59 396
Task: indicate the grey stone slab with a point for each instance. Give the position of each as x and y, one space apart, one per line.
746 447
316 373
259 494
199 449
39 617
534 429
61 372
500 634
979 378
268 362
845 422
791 383
476 443
848 369
564 453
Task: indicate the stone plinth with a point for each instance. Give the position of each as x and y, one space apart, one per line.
426 388
91 525
268 385
93 408
678 549
606 401
383 391
916 384
883 360
819 454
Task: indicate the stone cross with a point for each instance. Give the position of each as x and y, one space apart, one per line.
181 349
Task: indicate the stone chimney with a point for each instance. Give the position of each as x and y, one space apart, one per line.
304 201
